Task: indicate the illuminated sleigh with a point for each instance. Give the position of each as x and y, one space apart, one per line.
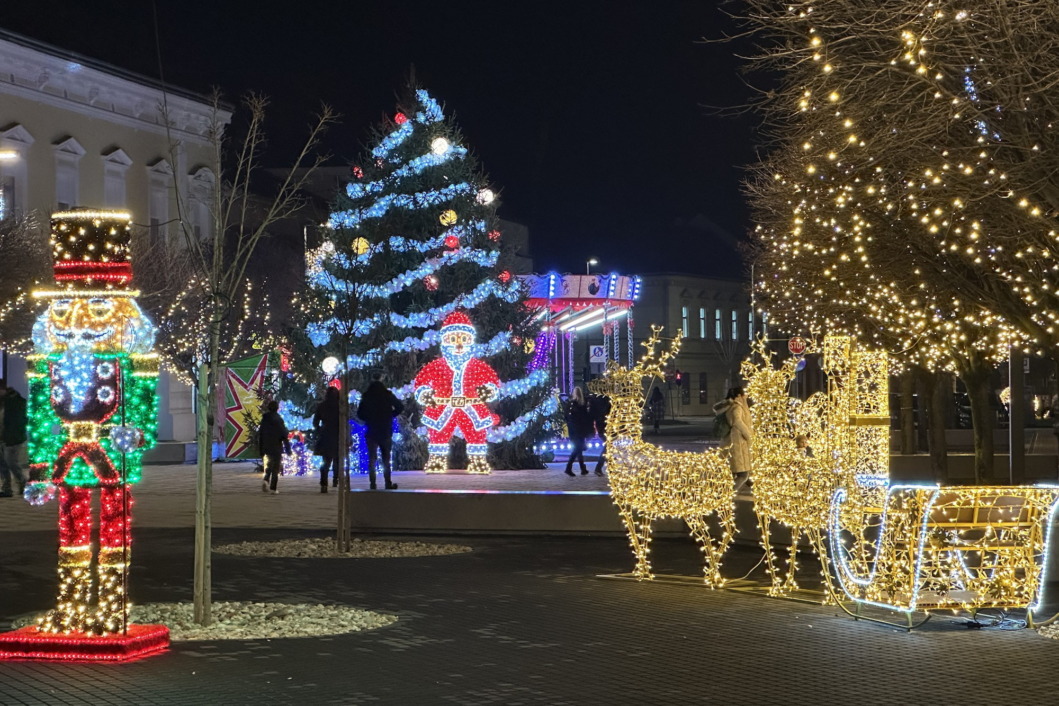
648 483
912 548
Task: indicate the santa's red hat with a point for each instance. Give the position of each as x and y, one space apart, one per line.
457 321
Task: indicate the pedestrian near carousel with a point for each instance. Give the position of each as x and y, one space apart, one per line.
377 409
13 457
325 423
579 428
599 408
273 443
741 433
657 407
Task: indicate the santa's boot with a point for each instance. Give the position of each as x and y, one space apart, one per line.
478 464
438 460
112 611
71 613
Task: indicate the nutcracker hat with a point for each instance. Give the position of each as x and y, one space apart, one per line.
90 251
457 321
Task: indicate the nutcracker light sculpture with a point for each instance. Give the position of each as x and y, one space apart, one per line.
92 414
453 391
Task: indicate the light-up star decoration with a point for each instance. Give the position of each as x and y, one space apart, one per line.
92 412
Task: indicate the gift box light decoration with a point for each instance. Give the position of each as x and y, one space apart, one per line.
648 483
92 414
453 391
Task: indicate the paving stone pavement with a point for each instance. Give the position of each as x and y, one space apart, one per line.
521 620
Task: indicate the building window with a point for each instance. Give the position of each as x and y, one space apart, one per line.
684 320
717 324
702 323
765 324
68 154
704 394
685 389
7 197
115 164
159 183
735 325
750 326
15 142
202 183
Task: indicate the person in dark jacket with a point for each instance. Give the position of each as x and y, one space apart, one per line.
273 443
657 406
377 409
579 428
13 455
325 422
598 409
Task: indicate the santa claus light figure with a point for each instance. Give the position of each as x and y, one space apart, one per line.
454 390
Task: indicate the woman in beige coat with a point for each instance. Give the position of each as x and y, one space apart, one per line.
740 434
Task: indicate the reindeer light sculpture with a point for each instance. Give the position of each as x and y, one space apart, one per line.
648 483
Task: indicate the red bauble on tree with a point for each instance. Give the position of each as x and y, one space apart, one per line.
431 282
400 118
452 242
494 235
504 276
358 172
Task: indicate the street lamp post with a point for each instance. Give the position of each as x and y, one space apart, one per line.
588 265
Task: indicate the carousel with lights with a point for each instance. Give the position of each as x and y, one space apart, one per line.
92 414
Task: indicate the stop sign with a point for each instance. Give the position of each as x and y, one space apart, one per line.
797 345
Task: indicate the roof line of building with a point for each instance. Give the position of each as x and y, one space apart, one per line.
102 66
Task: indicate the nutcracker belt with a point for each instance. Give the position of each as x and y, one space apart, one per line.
92 454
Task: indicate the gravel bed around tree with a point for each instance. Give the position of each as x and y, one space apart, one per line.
1051 631
250 620
324 548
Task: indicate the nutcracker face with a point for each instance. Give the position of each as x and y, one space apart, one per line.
93 323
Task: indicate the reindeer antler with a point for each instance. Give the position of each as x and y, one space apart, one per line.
653 362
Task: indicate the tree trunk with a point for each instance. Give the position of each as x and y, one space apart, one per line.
920 404
907 415
342 535
938 407
975 373
207 410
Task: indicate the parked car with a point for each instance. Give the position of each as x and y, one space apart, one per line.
963 410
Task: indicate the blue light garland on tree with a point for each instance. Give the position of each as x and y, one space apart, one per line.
412 239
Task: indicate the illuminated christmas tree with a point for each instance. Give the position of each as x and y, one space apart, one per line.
413 239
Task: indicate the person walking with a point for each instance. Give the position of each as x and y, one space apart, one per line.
273 443
579 427
741 433
325 424
13 455
599 408
657 407
377 409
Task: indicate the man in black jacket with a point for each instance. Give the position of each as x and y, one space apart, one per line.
272 442
377 409
13 457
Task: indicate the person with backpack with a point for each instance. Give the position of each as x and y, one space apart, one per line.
733 426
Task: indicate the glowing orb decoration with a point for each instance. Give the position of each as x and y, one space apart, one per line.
330 365
431 282
92 412
453 391
485 197
439 146
448 217
39 493
648 483
360 246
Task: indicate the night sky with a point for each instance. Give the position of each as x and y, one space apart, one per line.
588 115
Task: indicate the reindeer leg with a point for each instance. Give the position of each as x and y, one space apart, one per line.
640 545
791 584
765 527
711 557
817 539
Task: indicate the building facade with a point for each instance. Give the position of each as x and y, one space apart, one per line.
79 133
717 322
